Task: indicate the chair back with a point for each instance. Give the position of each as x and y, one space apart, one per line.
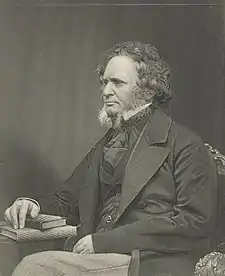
219 159
219 235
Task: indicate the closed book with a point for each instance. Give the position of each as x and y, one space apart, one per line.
29 234
44 221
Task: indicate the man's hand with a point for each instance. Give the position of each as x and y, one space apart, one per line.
17 212
84 245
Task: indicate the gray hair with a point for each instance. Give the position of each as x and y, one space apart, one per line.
153 72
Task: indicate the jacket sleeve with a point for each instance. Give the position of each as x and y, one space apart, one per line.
193 218
63 201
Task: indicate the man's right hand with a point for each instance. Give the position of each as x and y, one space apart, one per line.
17 212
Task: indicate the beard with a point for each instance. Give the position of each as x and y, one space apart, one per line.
116 121
109 121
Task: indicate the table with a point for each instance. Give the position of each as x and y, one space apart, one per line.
11 252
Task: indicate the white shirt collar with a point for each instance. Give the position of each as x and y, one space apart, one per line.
131 113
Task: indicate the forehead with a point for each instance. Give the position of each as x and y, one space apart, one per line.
121 66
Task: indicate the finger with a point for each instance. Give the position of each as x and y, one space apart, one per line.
85 251
34 210
22 213
79 242
7 216
78 248
14 214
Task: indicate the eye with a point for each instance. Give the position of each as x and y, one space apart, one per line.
103 81
117 82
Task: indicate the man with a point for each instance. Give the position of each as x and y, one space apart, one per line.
149 184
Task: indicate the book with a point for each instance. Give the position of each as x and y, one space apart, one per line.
29 234
44 221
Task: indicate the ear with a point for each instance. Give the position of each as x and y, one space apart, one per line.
100 71
154 82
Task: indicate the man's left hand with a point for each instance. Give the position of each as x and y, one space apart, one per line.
84 245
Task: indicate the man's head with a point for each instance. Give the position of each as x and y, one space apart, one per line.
132 75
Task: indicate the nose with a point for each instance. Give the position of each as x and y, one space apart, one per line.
108 90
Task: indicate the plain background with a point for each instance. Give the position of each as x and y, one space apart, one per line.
50 97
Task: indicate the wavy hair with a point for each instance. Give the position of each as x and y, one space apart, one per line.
153 72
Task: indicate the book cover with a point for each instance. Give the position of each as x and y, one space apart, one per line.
28 234
44 221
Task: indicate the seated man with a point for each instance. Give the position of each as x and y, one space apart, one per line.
148 184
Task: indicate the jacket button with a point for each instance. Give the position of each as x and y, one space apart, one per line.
109 219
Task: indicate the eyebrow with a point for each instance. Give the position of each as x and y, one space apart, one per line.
114 79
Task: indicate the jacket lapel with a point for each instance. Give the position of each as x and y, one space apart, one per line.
146 158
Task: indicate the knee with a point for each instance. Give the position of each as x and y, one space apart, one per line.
33 263
38 258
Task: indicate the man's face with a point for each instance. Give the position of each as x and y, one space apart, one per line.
119 79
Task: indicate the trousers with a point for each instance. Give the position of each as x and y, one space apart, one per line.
62 263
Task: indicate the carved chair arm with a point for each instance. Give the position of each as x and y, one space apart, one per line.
219 159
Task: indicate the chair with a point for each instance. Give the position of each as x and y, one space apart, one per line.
219 238
211 264
218 158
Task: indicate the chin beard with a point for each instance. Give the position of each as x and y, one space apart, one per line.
109 121
115 121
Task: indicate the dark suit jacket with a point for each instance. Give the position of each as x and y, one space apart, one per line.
168 200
